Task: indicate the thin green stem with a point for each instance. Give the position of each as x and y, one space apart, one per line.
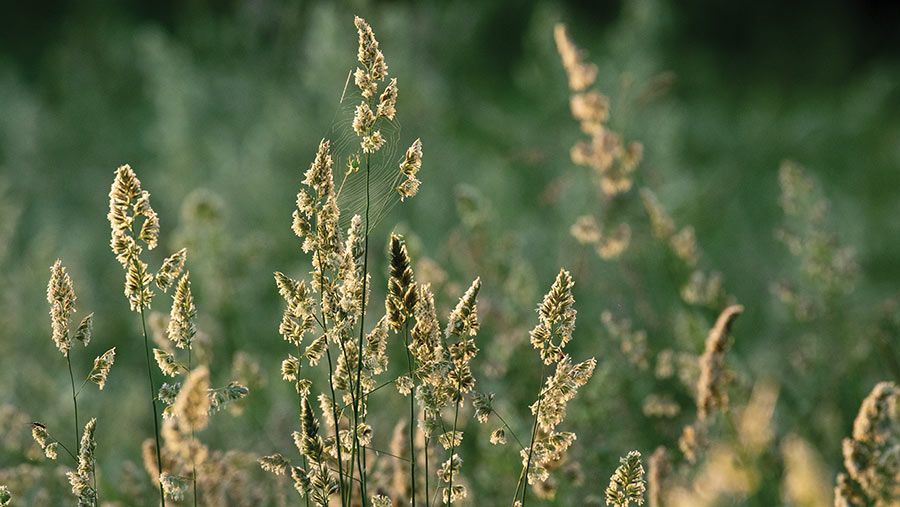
300 406
337 421
193 463
537 415
453 437
74 401
94 476
412 414
362 321
427 498
162 496
337 436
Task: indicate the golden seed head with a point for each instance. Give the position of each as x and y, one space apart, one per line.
102 365
388 101
363 119
627 483
137 284
174 486
581 75
167 363
192 403
171 269
61 296
714 376
181 329
365 83
463 320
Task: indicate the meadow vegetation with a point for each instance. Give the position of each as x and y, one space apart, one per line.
434 361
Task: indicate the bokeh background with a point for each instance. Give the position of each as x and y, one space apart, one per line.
219 107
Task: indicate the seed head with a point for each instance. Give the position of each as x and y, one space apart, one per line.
627 483
61 296
181 329
102 365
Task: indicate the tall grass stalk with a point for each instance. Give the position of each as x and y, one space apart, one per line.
357 401
162 496
74 399
531 445
412 420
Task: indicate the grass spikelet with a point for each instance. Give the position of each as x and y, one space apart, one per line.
61 296
167 363
174 486
102 365
192 403
171 269
870 460
463 319
402 293
276 464
556 319
40 435
581 75
659 469
85 330
81 478
409 167
181 329
627 483
714 376
381 501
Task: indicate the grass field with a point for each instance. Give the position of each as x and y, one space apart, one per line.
580 246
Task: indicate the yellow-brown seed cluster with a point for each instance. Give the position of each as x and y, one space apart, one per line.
714 375
367 78
127 204
61 296
556 323
605 152
872 475
556 319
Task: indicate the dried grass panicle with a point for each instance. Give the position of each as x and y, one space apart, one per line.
402 290
174 486
827 268
192 404
181 329
171 269
605 152
659 469
167 363
627 483
61 296
556 319
714 375
81 478
872 466
806 481
127 204
559 389
85 330
102 365
323 483
581 75
409 167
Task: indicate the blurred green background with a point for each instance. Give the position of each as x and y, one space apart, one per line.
219 106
